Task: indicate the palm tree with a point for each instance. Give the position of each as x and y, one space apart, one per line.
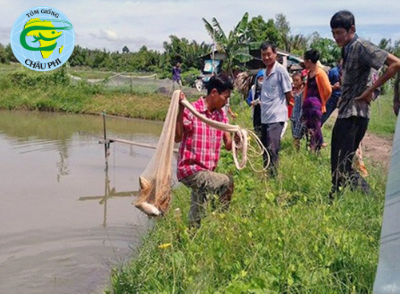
386 44
396 48
297 43
234 45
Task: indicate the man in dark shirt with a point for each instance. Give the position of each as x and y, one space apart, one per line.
359 56
176 76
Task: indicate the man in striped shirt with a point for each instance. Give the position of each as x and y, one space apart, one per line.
199 151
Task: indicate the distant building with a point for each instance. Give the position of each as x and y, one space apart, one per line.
290 61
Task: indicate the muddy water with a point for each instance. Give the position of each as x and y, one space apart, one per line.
65 221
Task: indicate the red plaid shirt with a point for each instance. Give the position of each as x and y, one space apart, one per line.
201 144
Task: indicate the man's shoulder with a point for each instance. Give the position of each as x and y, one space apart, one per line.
281 68
363 43
199 104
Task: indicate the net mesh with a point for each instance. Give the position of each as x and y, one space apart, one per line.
127 81
156 180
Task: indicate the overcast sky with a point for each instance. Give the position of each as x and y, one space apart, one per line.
112 24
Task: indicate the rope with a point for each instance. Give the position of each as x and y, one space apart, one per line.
242 144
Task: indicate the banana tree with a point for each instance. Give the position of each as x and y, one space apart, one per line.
234 45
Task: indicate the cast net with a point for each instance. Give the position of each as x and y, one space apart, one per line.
156 180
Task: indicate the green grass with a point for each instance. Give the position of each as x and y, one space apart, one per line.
54 91
279 236
383 119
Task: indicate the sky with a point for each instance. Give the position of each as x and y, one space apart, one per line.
112 24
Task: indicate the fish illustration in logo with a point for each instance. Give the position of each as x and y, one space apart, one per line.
44 33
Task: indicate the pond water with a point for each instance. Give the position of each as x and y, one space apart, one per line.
64 220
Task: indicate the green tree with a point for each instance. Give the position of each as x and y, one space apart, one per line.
188 53
283 27
3 55
78 56
396 48
234 45
10 54
261 31
329 51
297 44
193 53
125 49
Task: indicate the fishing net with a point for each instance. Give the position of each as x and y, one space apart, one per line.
125 81
155 181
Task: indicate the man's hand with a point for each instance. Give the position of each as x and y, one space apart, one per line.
336 86
181 97
237 139
367 96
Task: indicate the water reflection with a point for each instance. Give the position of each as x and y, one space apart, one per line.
109 193
64 221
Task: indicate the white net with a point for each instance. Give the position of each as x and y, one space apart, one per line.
155 181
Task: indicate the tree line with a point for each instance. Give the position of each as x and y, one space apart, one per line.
236 44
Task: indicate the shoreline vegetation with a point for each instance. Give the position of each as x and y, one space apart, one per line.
279 236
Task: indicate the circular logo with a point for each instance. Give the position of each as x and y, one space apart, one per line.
42 38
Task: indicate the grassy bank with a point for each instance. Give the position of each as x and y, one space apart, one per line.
55 91
279 236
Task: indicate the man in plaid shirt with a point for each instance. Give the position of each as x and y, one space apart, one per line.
359 56
199 151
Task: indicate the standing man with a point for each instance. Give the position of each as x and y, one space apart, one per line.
276 93
176 76
359 56
200 146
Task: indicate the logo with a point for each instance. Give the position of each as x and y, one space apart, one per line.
42 38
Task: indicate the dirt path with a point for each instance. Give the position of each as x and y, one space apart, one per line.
377 149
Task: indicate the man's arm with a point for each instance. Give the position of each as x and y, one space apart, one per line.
227 141
393 64
289 95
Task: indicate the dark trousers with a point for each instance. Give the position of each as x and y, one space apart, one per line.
330 107
271 139
346 137
257 120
